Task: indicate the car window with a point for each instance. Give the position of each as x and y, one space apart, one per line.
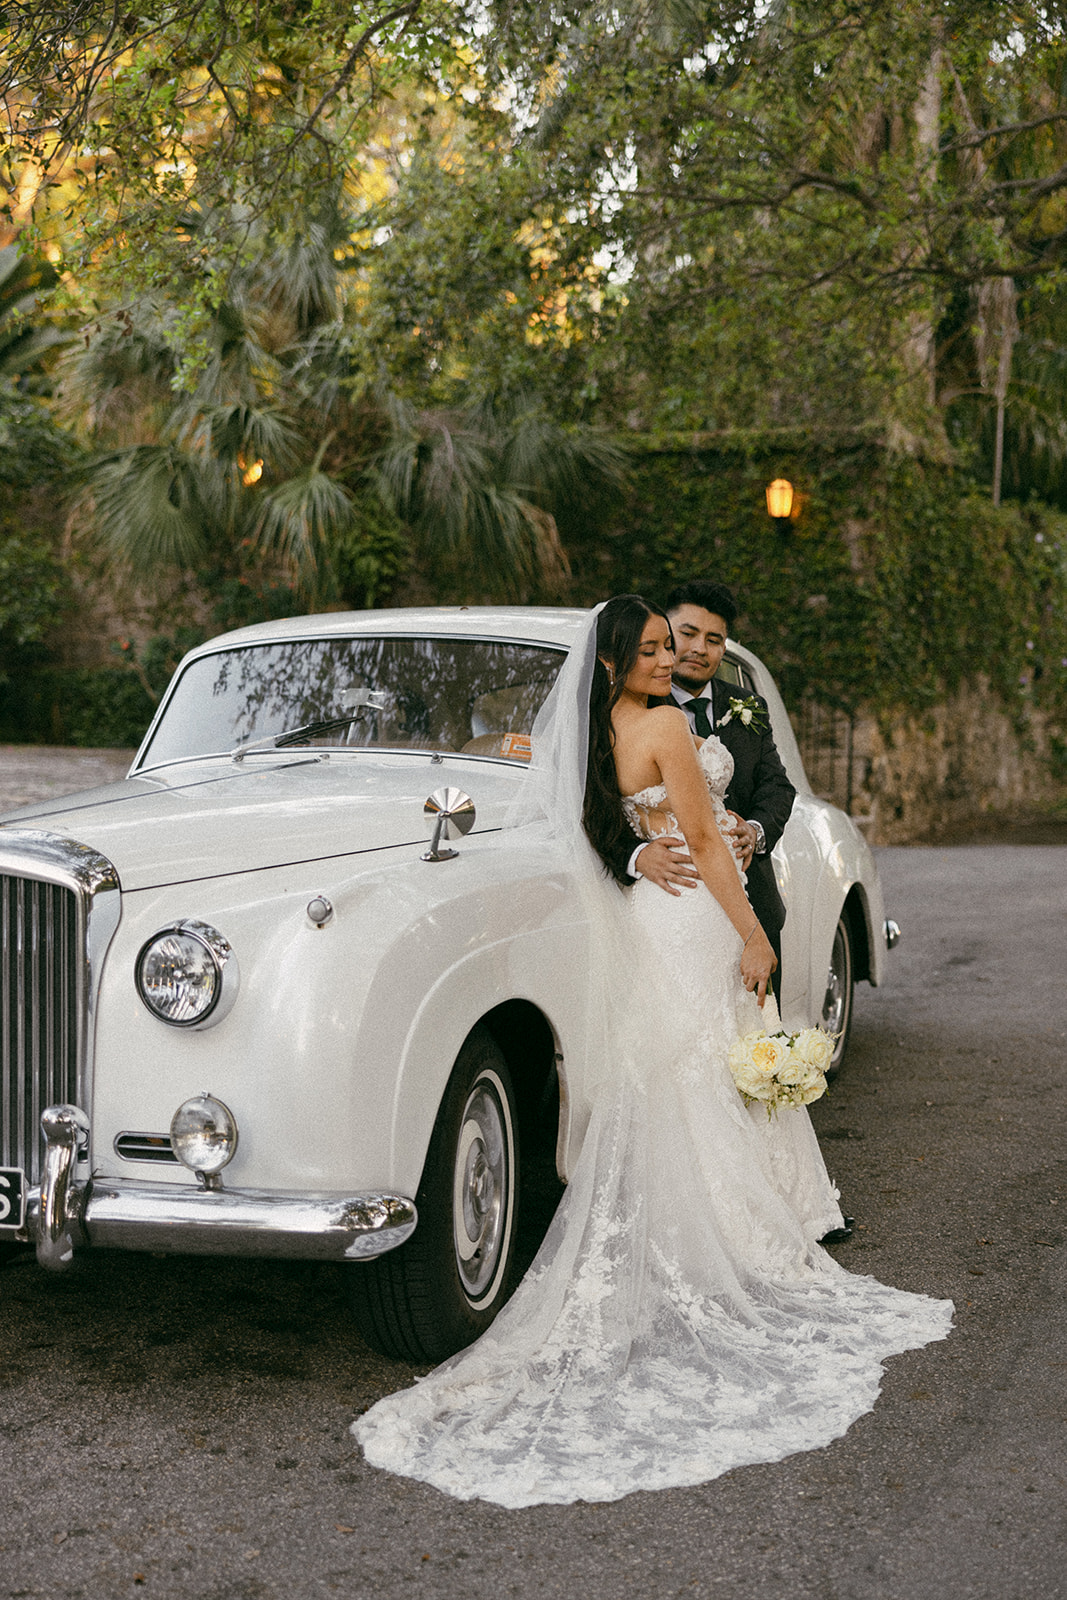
462 695
733 673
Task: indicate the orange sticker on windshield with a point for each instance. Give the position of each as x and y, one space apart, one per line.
515 746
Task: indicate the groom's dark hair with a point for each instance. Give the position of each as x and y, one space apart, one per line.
714 597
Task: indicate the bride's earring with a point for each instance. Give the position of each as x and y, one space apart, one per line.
611 675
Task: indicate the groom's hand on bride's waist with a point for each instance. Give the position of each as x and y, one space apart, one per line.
745 839
667 863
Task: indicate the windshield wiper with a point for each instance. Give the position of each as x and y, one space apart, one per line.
369 699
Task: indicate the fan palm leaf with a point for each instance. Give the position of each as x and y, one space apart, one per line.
22 279
476 486
151 506
301 521
242 433
22 348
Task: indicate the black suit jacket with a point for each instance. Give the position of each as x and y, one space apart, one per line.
760 791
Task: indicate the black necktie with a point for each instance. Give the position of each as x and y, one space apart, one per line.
698 705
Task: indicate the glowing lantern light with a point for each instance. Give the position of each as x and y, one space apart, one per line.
780 499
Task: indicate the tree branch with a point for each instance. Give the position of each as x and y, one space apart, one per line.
1005 128
1036 187
409 10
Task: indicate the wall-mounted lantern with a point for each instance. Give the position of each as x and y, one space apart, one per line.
780 496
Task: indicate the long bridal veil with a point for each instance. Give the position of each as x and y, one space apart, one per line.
679 1319
634 1012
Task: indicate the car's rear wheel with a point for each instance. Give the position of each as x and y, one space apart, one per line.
837 1002
442 1288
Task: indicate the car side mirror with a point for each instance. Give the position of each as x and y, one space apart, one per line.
451 814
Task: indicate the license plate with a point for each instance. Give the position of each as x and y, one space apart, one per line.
12 1197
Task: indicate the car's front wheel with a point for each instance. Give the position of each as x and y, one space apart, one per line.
442 1288
837 1002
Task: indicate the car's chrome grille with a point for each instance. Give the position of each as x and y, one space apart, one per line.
39 987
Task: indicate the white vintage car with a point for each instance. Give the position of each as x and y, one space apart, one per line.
246 1006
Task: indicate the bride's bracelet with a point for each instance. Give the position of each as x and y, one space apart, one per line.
751 931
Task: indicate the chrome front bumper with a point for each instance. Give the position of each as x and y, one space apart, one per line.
185 1219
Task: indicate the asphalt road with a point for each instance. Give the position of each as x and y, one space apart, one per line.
178 1426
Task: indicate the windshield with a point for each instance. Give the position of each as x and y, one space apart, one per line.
461 695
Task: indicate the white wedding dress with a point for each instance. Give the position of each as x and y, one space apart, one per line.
680 1318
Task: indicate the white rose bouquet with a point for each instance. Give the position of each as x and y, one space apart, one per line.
781 1069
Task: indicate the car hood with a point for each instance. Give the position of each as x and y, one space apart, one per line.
211 818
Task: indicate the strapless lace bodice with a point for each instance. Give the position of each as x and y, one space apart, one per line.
648 813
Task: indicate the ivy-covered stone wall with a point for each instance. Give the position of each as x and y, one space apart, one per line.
920 776
918 634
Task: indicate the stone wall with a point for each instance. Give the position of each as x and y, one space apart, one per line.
110 608
909 777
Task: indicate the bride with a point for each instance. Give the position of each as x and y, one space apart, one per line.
680 1318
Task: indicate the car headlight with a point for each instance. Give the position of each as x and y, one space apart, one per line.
203 1135
187 975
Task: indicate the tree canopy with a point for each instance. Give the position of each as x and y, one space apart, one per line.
649 215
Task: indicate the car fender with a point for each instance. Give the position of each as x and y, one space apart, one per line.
494 925
842 883
543 968
338 1030
284 1058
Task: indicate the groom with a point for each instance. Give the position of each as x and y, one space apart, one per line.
760 796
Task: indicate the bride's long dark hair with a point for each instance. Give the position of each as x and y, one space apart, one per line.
618 638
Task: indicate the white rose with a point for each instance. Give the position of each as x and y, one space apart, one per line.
741 1049
814 1047
794 1070
750 1083
769 1054
812 1091
753 1061
746 716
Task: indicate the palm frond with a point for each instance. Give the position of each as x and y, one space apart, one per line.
120 376
241 432
146 506
514 549
22 348
22 278
476 523
319 366
301 278
301 521
238 362
396 465
553 463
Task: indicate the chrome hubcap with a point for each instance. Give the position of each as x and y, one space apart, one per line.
836 1000
482 1197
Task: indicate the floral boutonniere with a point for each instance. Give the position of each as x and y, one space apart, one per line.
748 711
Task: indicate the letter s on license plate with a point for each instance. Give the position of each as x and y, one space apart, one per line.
12 1198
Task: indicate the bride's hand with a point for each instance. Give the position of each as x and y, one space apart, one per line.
758 961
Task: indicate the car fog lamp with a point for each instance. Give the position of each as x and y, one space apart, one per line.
187 975
203 1134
